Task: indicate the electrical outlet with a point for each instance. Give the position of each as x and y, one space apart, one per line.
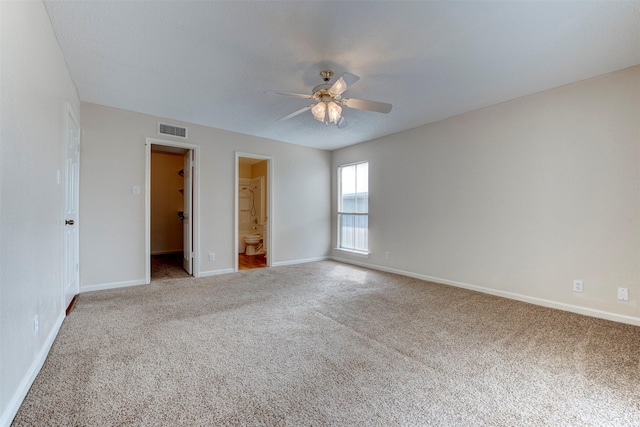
212 257
36 325
623 294
387 255
577 286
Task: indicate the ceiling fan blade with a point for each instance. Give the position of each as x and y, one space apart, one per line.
295 113
361 104
343 83
297 95
350 78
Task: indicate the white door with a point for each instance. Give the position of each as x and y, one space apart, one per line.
71 268
187 224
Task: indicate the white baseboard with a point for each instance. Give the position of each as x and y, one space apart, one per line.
114 285
510 295
216 272
299 261
27 381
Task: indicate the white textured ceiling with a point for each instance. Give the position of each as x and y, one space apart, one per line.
210 62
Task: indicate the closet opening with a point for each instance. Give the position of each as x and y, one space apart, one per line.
171 201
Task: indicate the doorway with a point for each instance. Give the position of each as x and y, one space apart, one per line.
171 210
252 232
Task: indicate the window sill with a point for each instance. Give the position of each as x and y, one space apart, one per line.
352 252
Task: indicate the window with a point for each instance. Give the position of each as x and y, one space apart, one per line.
353 207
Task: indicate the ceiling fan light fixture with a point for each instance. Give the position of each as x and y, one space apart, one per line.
335 112
319 111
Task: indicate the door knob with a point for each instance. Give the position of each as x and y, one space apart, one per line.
68 222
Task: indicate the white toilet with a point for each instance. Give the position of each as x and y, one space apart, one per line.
252 241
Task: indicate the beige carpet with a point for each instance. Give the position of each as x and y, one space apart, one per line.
330 344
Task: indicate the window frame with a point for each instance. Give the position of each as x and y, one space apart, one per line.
340 211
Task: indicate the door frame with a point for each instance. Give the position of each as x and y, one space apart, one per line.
269 198
195 202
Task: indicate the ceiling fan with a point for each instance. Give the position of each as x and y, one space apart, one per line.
328 100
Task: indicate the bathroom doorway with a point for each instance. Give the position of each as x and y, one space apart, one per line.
252 218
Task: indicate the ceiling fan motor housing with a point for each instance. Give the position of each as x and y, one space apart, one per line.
321 92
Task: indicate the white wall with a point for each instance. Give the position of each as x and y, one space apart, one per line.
112 227
518 199
36 89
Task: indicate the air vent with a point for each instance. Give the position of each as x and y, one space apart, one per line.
177 131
